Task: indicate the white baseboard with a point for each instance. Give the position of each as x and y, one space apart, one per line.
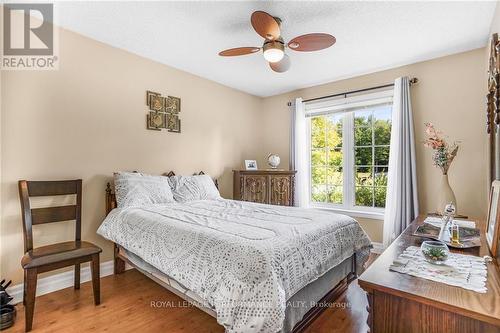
378 248
59 281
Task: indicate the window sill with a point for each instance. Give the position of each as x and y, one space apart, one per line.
374 215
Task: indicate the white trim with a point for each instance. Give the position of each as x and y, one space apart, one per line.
365 212
345 103
346 106
348 160
378 248
60 281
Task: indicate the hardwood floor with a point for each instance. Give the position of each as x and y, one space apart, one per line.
127 306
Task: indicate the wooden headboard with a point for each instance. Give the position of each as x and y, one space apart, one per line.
111 198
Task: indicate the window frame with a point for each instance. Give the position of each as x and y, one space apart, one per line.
347 107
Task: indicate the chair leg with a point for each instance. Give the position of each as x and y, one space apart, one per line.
77 276
96 283
31 277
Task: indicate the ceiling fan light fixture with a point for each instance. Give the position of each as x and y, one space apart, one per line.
274 51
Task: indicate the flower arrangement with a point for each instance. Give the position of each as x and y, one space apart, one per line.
444 153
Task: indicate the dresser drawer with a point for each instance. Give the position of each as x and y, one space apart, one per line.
264 186
254 188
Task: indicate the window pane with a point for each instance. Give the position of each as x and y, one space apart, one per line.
335 121
382 113
381 155
364 196
335 158
363 117
318 157
334 138
335 194
382 124
370 155
318 193
318 175
362 136
334 130
381 176
318 132
363 175
380 194
335 176
363 156
382 133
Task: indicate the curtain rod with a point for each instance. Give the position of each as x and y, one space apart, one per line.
413 80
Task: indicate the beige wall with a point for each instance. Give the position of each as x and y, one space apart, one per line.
495 25
87 120
450 94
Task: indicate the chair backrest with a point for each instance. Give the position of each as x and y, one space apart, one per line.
35 216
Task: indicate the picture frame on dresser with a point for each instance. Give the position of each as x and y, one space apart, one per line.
250 164
492 222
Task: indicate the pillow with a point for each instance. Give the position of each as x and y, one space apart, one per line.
188 188
135 189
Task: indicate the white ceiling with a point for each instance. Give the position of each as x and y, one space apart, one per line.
370 36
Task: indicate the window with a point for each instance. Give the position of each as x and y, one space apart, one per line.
349 152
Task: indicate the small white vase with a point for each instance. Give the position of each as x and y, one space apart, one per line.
446 195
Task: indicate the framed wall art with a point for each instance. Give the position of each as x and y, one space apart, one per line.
493 108
493 220
163 112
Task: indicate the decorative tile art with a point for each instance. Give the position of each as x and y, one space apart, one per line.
173 123
164 112
156 121
172 104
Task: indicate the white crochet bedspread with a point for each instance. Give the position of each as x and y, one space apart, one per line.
244 259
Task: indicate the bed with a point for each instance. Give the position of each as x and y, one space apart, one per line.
254 267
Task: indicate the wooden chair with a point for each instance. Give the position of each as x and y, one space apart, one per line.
55 256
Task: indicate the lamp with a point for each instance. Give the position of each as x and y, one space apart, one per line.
274 50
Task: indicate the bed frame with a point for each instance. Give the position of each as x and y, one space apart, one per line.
330 297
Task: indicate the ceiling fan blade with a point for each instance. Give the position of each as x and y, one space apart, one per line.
265 25
237 51
311 42
281 66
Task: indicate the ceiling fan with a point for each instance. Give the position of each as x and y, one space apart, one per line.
274 46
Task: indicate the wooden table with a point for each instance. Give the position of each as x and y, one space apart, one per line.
403 303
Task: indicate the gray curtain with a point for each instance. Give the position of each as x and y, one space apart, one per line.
402 198
291 107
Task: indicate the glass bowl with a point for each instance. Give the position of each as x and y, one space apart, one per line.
435 252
